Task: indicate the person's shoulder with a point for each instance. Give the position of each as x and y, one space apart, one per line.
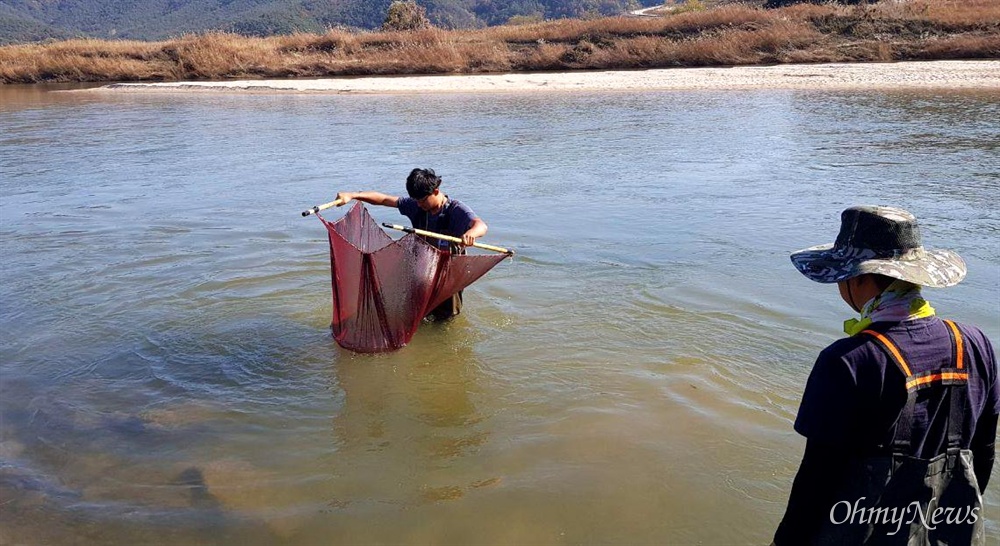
457 207
406 204
972 331
848 347
855 355
977 341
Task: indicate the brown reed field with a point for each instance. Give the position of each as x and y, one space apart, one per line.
726 35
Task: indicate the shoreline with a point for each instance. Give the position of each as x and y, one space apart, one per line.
972 74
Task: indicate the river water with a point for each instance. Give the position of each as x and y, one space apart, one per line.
631 377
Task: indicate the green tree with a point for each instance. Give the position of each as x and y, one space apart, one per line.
405 15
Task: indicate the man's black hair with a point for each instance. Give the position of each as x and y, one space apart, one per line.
421 183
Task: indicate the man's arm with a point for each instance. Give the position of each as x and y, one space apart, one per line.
822 469
475 231
372 197
828 419
984 449
983 444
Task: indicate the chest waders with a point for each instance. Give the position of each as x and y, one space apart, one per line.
453 305
898 499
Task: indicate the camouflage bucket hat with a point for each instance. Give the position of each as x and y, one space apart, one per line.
883 241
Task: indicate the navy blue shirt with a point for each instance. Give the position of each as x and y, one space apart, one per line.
454 219
855 392
853 397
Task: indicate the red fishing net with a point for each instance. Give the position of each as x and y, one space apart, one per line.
382 287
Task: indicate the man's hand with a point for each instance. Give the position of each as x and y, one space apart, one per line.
345 196
475 231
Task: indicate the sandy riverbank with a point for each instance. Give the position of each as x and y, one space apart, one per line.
903 75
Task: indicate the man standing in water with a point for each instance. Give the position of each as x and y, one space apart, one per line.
900 418
431 210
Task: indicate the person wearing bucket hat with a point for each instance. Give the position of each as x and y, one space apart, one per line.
431 210
900 418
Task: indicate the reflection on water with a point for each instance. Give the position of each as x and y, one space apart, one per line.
168 376
411 419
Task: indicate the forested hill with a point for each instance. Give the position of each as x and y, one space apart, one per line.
31 20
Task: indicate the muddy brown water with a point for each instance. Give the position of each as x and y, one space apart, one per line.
631 377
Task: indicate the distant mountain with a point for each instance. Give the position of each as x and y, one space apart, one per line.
20 27
33 20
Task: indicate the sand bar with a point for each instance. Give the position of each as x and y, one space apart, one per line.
902 75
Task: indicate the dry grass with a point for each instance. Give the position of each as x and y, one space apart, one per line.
726 35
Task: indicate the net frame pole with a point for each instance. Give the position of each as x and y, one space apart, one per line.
447 238
324 206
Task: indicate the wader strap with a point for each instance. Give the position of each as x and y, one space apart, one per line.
902 428
952 380
443 224
444 219
944 375
902 435
958 349
956 416
894 355
959 394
